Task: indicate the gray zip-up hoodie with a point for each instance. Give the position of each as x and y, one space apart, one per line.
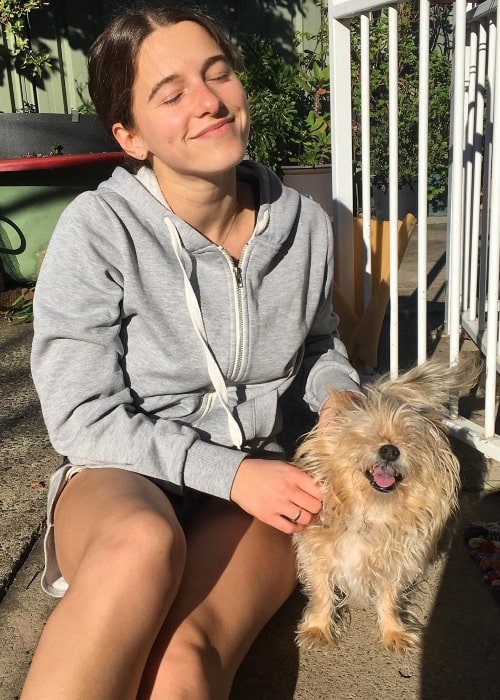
153 352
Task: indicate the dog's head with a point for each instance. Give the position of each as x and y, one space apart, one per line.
389 443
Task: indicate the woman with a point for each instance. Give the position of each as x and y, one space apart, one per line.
175 307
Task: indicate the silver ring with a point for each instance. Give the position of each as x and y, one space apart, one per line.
294 520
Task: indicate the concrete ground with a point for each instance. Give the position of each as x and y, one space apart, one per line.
458 658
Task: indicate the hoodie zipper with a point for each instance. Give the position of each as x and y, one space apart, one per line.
236 270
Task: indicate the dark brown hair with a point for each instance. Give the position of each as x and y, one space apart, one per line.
112 57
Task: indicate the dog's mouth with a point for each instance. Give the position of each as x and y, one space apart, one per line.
383 477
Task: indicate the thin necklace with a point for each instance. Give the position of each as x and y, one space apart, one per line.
231 224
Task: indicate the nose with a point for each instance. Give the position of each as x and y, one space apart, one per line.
389 452
207 99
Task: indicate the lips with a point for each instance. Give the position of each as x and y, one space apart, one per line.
213 128
383 477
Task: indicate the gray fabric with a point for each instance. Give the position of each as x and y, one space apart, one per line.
119 369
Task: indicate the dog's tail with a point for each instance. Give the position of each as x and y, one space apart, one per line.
430 384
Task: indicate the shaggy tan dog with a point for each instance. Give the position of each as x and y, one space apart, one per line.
391 482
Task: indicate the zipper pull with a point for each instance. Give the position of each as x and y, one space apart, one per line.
237 274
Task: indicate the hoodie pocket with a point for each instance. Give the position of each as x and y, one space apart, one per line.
204 409
259 417
265 416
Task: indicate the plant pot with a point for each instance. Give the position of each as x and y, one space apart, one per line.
407 200
33 193
314 181
27 134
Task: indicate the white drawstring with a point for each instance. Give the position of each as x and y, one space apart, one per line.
197 321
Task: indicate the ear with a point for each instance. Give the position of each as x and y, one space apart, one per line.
131 142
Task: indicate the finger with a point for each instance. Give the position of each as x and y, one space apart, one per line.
308 503
283 524
306 483
312 502
300 517
298 514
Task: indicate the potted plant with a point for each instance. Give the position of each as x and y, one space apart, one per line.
310 172
289 110
45 159
439 98
276 104
312 75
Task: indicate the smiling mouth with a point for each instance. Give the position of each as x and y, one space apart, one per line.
214 128
383 477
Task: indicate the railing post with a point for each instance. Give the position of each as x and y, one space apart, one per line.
342 190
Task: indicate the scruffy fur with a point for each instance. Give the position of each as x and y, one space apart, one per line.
373 540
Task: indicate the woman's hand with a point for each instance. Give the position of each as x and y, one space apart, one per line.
277 493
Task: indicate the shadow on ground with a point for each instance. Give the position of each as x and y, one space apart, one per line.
462 641
270 670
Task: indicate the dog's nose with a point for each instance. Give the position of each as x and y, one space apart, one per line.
389 452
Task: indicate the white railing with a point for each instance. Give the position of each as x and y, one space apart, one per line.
473 215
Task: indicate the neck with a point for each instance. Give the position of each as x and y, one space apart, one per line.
210 208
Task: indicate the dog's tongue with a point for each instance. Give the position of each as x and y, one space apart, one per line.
384 476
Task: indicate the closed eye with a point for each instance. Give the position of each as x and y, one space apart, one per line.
221 77
171 100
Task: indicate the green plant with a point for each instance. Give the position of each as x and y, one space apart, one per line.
86 105
14 17
313 77
408 120
274 100
289 101
21 309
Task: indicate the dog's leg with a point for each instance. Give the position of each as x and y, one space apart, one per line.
395 636
325 616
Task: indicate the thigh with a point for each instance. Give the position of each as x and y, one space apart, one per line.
101 504
238 574
122 551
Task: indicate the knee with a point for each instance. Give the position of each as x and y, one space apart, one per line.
150 539
143 545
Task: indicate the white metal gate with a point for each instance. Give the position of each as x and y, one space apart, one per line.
473 214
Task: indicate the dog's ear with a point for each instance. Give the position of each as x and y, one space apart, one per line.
429 385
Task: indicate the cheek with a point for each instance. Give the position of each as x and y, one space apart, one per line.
243 101
160 128
246 119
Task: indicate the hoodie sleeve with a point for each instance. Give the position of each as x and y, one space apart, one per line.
325 361
76 362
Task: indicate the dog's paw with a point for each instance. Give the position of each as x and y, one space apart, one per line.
400 641
310 638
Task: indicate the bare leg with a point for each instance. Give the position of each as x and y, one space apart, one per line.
122 551
238 573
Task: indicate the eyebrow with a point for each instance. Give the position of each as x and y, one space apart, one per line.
174 76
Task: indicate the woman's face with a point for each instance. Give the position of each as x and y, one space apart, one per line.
190 109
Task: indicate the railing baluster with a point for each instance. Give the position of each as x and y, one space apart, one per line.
473 240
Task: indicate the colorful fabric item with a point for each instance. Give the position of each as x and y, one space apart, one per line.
483 540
